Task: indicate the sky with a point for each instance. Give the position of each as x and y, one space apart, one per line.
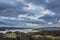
30 13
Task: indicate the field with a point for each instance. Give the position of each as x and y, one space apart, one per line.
44 35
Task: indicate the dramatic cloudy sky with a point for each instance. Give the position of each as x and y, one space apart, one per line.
30 13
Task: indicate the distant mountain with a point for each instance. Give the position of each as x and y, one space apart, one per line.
43 28
48 28
11 28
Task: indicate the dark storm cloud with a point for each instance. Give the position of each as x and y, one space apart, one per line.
48 18
21 23
7 4
37 2
53 19
12 23
12 12
1 23
54 4
28 20
11 8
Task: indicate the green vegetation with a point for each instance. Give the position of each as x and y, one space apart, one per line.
44 35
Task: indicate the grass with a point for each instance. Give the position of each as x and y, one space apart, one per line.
10 35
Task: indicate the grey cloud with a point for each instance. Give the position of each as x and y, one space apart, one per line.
21 23
51 5
11 8
28 20
39 2
11 23
54 4
7 4
12 12
53 19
